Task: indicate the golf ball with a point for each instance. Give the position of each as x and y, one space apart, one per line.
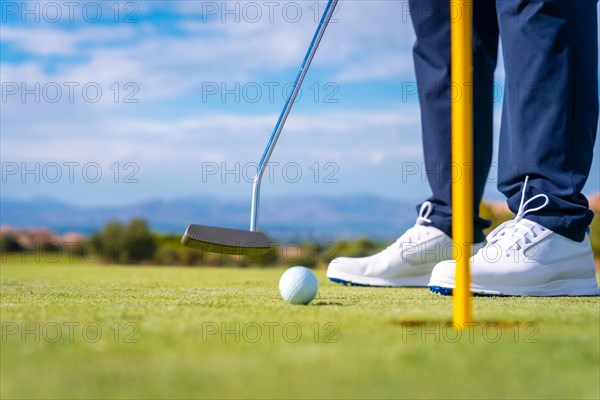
298 285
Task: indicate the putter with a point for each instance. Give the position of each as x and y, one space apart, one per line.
235 241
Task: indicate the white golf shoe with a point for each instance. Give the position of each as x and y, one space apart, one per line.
523 258
406 262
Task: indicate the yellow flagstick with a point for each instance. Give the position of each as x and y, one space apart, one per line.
462 156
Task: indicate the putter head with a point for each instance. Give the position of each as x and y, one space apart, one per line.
226 241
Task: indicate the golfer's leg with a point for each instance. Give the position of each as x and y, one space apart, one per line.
485 56
431 52
550 111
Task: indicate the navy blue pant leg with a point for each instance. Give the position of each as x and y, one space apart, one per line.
550 113
432 65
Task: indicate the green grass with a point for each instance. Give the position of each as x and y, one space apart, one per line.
375 343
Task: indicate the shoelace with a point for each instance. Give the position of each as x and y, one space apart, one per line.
516 231
414 234
424 213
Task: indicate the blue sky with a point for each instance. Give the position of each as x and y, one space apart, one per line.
114 102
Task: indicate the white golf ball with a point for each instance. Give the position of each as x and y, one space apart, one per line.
298 285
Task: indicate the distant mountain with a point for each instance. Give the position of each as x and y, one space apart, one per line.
284 218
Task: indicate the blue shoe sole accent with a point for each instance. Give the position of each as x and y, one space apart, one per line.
441 290
347 283
448 292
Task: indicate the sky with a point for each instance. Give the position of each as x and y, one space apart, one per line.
107 103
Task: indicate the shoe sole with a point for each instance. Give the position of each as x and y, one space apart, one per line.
448 292
566 287
349 283
363 281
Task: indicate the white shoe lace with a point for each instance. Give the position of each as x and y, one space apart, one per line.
517 232
419 230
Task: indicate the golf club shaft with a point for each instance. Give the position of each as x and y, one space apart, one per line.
312 49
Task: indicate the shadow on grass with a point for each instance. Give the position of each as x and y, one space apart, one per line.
326 303
447 322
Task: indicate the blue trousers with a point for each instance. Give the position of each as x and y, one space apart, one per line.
550 109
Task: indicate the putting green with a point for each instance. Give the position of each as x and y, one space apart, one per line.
90 331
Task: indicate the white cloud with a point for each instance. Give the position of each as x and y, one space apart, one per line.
366 42
53 41
214 137
166 152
